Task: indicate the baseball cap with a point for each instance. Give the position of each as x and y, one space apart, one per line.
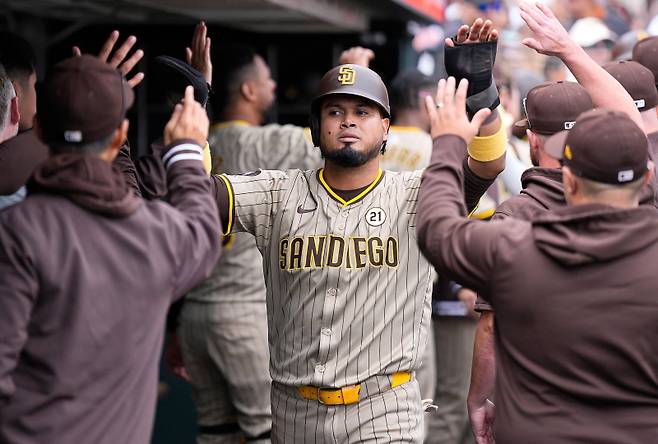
589 31
637 80
552 107
645 53
178 74
82 100
604 146
623 49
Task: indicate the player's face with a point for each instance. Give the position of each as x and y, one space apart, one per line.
266 85
352 130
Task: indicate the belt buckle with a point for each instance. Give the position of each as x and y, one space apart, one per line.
326 389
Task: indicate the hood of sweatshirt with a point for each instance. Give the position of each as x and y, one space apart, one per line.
86 180
590 233
544 185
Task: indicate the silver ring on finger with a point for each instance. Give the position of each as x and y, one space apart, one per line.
439 105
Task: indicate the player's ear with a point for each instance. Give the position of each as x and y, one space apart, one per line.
248 91
386 123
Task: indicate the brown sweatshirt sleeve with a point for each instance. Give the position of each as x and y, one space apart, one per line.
18 292
461 249
196 230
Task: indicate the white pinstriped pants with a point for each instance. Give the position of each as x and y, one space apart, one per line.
226 353
393 416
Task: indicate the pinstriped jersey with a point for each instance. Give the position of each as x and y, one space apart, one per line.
407 149
238 147
348 291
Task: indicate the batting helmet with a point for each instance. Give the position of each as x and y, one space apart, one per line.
353 80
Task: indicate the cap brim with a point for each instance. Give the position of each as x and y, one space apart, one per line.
555 144
519 128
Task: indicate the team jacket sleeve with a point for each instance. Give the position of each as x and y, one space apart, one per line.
461 249
18 294
196 226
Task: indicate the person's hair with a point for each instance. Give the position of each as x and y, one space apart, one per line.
630 190
7 93
82 148
406 87
552 64
17 56
236 64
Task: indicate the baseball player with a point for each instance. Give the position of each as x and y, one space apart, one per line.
573 289
223 324
347 288
549 108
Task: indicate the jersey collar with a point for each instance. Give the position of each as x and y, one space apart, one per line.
361 195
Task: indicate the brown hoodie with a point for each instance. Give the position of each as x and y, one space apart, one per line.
87 273
576 309
19 156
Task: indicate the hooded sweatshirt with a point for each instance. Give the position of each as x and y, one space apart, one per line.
576 309
19 156
87 273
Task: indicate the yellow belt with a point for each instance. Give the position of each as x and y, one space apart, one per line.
344 395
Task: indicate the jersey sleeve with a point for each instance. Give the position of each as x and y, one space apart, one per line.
253 199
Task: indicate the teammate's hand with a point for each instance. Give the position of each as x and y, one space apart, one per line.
357 55
448 113
119 60
481 31
549 36
188 121
174 358
468 298
482 420
198 54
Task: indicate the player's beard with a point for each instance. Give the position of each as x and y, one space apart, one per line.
348 157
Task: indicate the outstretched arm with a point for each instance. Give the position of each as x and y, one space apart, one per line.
471 55
459 248
550 38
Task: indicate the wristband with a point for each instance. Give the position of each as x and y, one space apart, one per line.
488 148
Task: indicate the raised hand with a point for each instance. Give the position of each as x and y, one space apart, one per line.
198 54
119 60
448 113
188 121
480 32
357 55
549 36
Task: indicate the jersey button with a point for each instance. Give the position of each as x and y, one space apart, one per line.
331 292
341 227
343 214
326 331
319 368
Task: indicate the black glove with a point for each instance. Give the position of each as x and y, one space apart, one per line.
474 62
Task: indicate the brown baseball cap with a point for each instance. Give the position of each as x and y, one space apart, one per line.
553 107
645 52
82 100
604 146
637 80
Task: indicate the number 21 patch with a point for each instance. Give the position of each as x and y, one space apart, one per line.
375 217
